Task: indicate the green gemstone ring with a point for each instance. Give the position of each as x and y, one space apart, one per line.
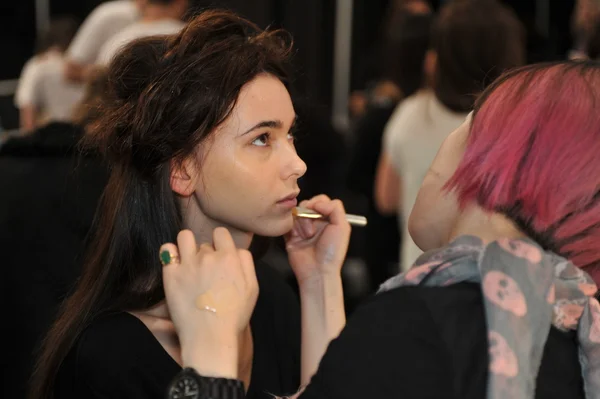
167 258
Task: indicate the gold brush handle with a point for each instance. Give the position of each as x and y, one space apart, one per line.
355 220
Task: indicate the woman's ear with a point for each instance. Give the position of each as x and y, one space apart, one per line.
184 176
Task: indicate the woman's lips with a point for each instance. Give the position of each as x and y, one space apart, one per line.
290 201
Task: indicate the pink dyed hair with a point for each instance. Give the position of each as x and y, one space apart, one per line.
534 154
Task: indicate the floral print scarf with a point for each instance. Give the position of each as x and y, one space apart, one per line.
525 291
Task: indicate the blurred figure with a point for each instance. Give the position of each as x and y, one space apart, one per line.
42 92
407 41
385 86
593 45
585 17
104 21
473 42
159 17
48 201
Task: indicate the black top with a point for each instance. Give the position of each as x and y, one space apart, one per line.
417 342
118 357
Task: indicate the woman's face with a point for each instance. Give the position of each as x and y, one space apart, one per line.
249 170
436 211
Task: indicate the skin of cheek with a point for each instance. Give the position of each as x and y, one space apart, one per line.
241 189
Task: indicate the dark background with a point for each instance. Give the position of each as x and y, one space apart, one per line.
311 22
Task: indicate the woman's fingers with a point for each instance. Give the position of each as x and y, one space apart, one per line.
222 240
186 242
205 248
315 199
332 210
247 264
307 227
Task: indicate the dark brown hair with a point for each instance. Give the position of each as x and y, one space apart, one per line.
166 96
90 108
475 42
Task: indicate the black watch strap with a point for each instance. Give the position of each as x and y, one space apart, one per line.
188 384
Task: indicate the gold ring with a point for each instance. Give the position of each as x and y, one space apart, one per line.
166 258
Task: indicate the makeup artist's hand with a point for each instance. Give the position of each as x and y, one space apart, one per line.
210 292
317 248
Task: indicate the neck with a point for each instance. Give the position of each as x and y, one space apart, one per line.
203 226
160 310
154 12
488 226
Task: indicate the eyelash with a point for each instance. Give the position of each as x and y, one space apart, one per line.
267 136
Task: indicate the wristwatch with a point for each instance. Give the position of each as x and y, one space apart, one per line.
188 384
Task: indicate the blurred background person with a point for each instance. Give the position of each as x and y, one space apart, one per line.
406 42
159 17
103 22
42 93
593 45
473 42
583 22
379 64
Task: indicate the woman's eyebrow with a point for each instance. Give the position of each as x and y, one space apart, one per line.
273 124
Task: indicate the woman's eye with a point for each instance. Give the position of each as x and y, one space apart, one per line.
262 140
291 136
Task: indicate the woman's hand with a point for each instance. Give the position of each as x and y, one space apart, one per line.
317 248
210 292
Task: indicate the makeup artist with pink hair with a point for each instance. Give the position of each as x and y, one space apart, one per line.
501 304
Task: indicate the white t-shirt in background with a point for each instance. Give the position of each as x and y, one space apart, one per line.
137 31
412 138
104 22
23 95
46 88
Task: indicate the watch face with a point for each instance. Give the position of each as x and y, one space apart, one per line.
185 388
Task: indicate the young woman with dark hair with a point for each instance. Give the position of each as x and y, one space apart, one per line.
198 130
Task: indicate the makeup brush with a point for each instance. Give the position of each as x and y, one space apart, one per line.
354 220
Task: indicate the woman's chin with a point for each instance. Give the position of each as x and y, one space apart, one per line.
276 228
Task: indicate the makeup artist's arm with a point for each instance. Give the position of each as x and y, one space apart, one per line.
316 251
387 186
